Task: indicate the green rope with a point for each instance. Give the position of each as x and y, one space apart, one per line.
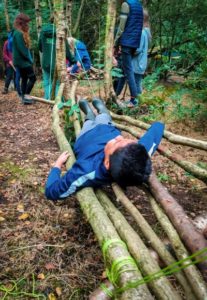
110 242
169 270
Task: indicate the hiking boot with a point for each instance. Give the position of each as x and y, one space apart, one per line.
26 100
5 91
100 106
85 107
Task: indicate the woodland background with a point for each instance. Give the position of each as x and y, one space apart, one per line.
50 251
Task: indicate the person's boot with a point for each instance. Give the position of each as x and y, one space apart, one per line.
85 107
5 91
100 106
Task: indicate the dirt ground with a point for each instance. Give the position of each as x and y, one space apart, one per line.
49 249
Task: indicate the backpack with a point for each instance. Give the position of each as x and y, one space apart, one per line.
10 41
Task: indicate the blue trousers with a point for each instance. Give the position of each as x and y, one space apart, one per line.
127 54
138 80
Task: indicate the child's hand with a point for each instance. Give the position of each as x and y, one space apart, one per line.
62 159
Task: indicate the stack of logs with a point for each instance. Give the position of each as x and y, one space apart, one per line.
110 225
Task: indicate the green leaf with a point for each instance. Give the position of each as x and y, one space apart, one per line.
60 105
74 108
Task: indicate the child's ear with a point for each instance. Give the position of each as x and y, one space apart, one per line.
106 163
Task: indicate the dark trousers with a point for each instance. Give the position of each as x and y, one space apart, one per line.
28 79
9 76
127 54
17 81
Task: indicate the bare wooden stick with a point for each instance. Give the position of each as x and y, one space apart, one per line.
193 276
43 100
151 236
161 287
173 138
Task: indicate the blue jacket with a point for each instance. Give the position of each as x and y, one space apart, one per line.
133 29
89 170
139 61
81 55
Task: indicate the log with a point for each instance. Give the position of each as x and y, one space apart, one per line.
196 171
151 236
43 100
101 224
193 239
191 272
173 138
161 287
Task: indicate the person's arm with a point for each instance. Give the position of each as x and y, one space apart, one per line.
142 44
152 138
79 176
122 21
6 58
20 44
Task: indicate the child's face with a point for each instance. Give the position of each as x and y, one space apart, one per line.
115 144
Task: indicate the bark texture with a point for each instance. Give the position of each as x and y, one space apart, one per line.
109 42
192 274
6 16
193 239
154 240
161 287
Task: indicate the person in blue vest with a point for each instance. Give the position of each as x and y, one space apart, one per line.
103 155
81 54
128 37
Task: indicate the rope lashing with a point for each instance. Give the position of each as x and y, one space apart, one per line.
119 265
169 270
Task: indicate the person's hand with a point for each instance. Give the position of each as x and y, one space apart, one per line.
79 64
114 62
69 69
61 159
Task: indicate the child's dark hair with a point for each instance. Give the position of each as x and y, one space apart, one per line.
130 165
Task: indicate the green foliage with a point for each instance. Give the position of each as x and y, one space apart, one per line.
163 177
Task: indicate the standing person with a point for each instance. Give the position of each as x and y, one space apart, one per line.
9 67
81 54
128 37
22 57
103 155
47 45
139 60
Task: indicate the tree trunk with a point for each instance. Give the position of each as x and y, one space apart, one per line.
193 276
99 221
75 28
161 287
109 43
173 138
193 239
38 18
60 45
196 171
69 16
6 16
151 236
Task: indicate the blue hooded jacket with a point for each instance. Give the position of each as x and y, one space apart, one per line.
133 28
89 169
139 61
81 55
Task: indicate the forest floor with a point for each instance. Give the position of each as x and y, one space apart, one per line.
49 249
